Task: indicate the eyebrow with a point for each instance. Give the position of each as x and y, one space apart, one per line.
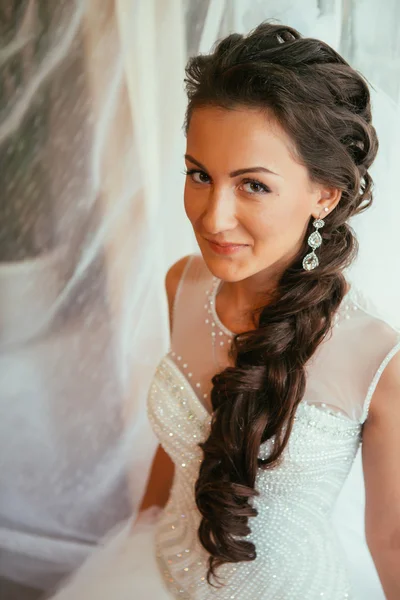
237 172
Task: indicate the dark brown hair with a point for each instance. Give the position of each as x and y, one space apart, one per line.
324 106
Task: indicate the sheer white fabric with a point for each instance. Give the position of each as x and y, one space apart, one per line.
91 146
342 374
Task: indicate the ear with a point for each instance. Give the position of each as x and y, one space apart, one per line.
328 198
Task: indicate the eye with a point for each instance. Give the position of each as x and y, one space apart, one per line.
255 187
198 176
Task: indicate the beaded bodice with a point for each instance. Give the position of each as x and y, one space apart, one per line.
298 555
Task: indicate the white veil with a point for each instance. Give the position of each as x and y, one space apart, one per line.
90 173
376 271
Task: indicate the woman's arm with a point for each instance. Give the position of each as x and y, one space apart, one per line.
381 463
159 481
162 470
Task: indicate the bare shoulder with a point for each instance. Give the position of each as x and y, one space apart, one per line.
380 452
172 280
173 277
385 401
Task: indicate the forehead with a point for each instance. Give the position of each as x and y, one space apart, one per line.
238 138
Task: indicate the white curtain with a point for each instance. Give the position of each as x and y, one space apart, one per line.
91 138
91 216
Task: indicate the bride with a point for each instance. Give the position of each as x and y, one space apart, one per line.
276 371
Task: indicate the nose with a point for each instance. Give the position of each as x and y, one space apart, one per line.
220 211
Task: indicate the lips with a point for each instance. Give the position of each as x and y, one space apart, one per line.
225 245
225 248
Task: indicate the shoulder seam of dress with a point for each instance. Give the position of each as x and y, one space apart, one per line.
374 314
376 378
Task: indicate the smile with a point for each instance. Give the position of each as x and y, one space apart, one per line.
226 248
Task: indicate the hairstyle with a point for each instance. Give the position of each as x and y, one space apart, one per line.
324 106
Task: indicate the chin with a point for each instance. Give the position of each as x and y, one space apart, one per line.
227 267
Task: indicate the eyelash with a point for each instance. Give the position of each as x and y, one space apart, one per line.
265 189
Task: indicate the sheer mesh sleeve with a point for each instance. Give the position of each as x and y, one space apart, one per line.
342 374
346 368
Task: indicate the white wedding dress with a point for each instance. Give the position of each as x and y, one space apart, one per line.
299 555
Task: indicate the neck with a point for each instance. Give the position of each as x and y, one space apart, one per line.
254 291
244 295
236 301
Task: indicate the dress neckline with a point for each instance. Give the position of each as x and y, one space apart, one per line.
217 283
203 414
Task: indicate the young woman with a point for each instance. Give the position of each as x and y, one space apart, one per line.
276 372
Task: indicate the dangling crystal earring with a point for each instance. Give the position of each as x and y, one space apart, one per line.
310 261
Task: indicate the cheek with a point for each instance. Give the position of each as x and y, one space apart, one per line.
278 225
191 209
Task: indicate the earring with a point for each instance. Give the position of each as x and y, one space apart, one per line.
310 261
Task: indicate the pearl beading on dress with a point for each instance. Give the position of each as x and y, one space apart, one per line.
185 369
212 317
296 496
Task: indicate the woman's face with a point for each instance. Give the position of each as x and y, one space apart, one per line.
245 188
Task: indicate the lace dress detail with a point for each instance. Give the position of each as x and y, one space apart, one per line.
298 554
